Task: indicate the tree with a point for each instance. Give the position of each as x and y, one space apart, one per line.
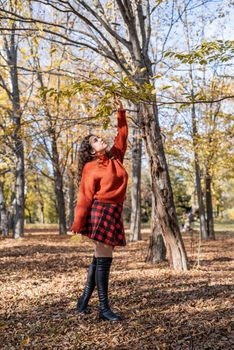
132 57
4 226
135 225
10 56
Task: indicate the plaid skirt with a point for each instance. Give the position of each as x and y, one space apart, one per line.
104 224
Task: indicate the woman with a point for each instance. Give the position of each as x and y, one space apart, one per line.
99 206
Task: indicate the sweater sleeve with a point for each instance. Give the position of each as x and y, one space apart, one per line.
84 200
120 142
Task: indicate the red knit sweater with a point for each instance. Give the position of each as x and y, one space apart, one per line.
103 179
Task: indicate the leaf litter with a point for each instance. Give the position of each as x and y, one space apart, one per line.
42 276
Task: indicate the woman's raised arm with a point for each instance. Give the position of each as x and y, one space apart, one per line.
120 142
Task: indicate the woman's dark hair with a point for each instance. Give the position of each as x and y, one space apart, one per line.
85 155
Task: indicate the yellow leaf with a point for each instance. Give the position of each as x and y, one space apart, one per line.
3 325
25 341
109 5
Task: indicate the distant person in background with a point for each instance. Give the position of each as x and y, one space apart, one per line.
102 189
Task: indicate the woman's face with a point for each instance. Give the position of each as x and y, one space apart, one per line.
98 144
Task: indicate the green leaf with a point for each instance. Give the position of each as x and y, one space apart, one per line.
166 87
106 123
157 76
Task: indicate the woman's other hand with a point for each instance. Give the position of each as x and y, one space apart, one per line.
118 103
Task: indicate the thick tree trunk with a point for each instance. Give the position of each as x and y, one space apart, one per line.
4 228
209 208
162 191
156 249
135 226
58 181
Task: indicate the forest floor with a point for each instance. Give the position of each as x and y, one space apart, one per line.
42 275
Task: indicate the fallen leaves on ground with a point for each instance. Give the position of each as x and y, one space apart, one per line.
43 274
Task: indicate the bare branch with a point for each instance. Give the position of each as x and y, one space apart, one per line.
105 24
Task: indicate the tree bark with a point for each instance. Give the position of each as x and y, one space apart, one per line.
40 199
156 250
11 50
162 191
72 186
57 172
58 182
72 198
201 207
4 228
135 226
209 208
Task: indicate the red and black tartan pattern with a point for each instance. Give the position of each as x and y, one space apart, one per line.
104 224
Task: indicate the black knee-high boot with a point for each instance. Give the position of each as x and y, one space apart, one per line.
82 302
102 280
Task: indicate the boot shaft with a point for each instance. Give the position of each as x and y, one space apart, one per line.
102 281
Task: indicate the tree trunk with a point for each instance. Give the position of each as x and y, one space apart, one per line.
72 198
162 191
29 214
42 215
209 208
3 213
135 226
11 208
72 179
54 156
40 199
201 207
11 50
58 181
193 200
156 250
20 199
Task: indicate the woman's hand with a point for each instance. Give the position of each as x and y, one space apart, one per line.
70 233
118 104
